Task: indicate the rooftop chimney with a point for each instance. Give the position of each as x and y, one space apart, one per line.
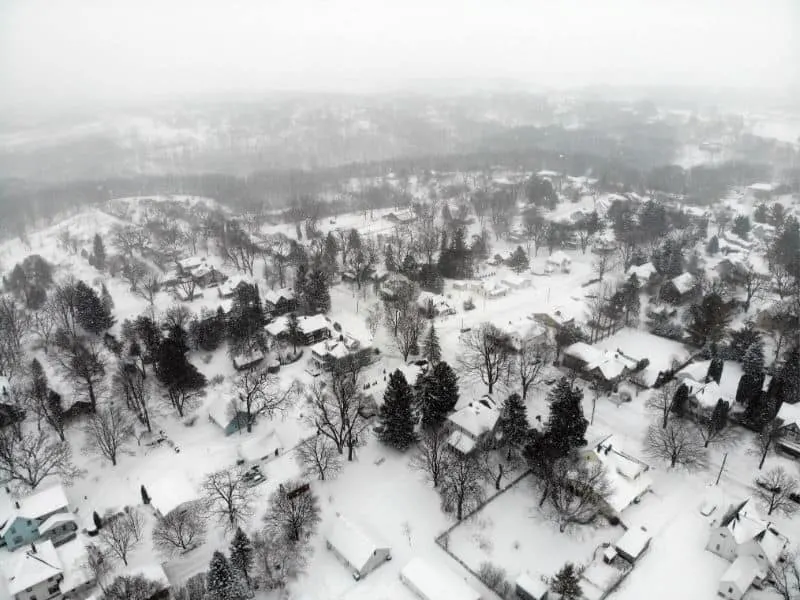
33 548
16 503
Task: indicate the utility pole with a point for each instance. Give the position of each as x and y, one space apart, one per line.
721 468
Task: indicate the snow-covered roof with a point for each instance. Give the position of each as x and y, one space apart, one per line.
633 542
312 323
558 258
746 523
544 173
741 574
520 328
611 364
222 409
706 394
642 272
478 417
435 583
28 567
191 263
515 281
202 270
41 503
275 296
169 491
354 544
583 351
461 442
535 588
74 558
56 520
761 187
683 282
229 287
256 448
626 475
789 414
278 327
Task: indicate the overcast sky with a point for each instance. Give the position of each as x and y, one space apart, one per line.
59 51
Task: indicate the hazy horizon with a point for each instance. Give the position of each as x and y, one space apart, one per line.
112 51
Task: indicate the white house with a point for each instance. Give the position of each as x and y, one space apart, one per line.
528 588
626 475
738 578
326 353
356 548
703 397
473 424
430 582
521 329
42 572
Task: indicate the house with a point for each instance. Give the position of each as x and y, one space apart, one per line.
313 329
528 588
493 289
678 289
170 492
208 276
556 318
703 397
525 328
473 424
643 272
188 265
229 414
22 525
435 304
245 361
789 440
516 282
604 366
401 217
576 356
431 582
229 288
558 260
327 353
280 302
356 548
264 447
633 544
751 543
59 528
626 475
44 572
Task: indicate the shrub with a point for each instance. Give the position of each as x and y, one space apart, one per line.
495 578
469 304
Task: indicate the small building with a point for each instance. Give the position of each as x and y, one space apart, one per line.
434 304
261 448
280 302
59 528
229 414
207 276
633 544
356 548
739 577
313 329
643 272
246 361
626 475
528 588
493 289
230 287
558 260
22 525
190 264
703 397
435 583
170 492
473 425
789 440
525 328
516 282
678 289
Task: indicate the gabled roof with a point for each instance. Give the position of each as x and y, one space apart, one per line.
742 572
633 542
56 520
461 442
434 583
255 448
627 476
583 351
39 504
275 296
354 544
477 418
27 567
642 272
223 409
744 522
684 282
312 323
789 414
706 394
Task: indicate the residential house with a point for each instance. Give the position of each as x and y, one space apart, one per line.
494 289
170 492
355 547
633 544
22 525
678 289
44 572
627 476
432 582
528 588
789 440
605 367
187 266
558 260
473 425
248 360
434 304
327 353
525 328
703 397
313 329
643 272
751 543
229 414
207 276
280 302
229 288
556 318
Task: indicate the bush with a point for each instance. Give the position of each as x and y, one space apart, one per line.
495 579
337 327
469 304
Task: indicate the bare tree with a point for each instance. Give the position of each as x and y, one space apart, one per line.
603 264
529 361
14 323
337 408
229 497
362 260
432 457
318 457
43 324
177 315
149 288
130 382
409 329
678 442
754 283
663 399
766 438
134 271
783 282
180 530
785 576
32 457
238 249
119 537
293 512
278 560
260 394
462 484
775 489
280 253
577 491
83 361
188 285
108 432
98 564
486 354
65 307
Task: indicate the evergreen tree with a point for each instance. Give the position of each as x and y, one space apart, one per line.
246 318
221 581
715 369
713 245
437 394
680 400
719 417
330 253
741 226
566 425
300 287
430 347
389 261
242 555
397 413
293 331
106 299
742 339
514 423
317 293
145 495
708 319
519 260
98 522
748 392
180 377
567 583
786 383
89 310
99 252
753 360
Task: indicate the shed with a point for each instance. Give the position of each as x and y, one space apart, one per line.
633 544
356 548
261 448
528 588
435 583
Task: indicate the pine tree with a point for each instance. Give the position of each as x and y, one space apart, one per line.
715 369
98 522
749 393
719 417
430 347
567 583
519 260
437 394
753 360
106 299
713 245
145 495
317 293
242 554
221 582
566 425
397 413
514 422
99 251
680 400
89 309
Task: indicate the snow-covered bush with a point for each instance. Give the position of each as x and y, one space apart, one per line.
495 579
